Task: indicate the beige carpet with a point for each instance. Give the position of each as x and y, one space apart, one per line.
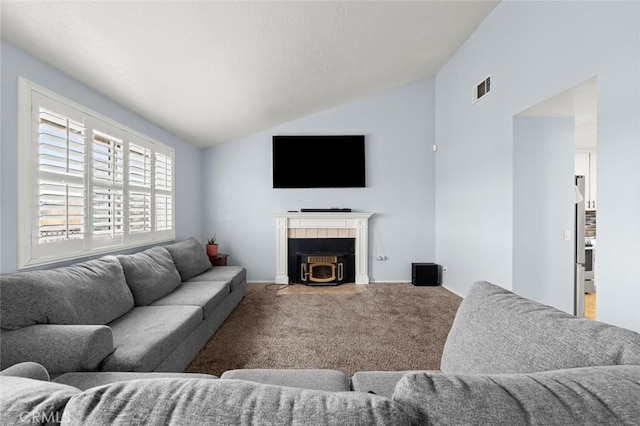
349 288
381 327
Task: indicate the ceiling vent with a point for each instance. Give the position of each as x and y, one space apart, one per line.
481 89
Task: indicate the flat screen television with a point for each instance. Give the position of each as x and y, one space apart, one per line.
333 161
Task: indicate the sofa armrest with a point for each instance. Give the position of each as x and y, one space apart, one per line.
27 370
496 331
59 348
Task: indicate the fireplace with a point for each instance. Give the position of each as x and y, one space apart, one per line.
320 227
322 268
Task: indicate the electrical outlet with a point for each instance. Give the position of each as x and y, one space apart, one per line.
444 268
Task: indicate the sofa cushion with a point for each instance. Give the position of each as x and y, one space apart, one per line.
87 380
233 274
317 379
581 396
496 331
150 274
226 402
92 292
189 257
207 295
147 334
32 402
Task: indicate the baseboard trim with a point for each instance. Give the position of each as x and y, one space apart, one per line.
452 291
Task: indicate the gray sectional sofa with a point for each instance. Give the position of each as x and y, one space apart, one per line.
142 312
507 361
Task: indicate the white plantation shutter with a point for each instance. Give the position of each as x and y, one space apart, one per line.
87 185
139 166
164 212
164 172
107 177
140 188
163 191
139 212
60 181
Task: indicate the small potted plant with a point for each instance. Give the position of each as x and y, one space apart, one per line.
212 246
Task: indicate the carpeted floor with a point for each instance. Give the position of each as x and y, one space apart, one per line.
383 327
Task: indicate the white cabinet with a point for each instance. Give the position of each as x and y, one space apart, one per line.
586 166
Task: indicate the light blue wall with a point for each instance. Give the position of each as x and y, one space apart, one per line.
15 63
543 208
534 50
239 200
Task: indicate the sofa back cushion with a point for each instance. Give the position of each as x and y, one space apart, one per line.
92 293
496 331
591 396
226 402
189 257
32 402
150 274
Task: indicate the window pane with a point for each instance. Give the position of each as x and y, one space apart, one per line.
139 166
61 167
62 210
164 218
139 212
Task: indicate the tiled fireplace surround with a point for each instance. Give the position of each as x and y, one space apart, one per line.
322 225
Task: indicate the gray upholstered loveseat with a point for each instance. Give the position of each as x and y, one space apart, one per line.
507 361
148 311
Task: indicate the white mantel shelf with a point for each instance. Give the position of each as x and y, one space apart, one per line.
340 220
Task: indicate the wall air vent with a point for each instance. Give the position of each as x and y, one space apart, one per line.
481 89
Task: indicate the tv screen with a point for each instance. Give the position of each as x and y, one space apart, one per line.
318 161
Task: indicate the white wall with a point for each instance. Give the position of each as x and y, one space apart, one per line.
15 63
239 199
534 50
543 208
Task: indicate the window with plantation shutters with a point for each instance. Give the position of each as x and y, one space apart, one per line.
87 184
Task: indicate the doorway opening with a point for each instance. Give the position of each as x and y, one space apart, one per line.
554 236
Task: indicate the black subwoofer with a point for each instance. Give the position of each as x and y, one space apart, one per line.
426 274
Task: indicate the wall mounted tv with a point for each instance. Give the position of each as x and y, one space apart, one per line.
334 161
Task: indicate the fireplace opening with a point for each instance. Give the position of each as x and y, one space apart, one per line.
322 268
321 261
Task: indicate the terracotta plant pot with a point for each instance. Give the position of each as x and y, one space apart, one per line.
212 249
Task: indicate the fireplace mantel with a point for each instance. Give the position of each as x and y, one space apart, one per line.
359 222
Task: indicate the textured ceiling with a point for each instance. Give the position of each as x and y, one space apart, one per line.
211 72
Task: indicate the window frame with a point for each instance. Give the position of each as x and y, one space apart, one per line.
32 253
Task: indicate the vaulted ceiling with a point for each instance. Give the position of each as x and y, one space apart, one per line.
214 71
